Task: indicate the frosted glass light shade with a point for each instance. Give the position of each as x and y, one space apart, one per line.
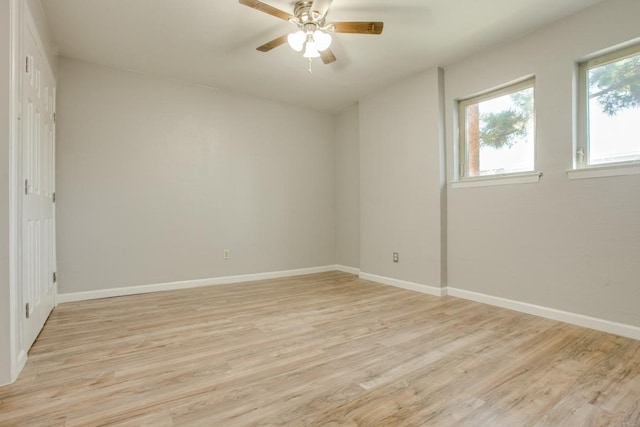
322 39
310 50
296 40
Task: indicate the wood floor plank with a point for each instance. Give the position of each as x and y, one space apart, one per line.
322 349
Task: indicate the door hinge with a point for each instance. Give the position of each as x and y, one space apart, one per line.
53 197
54 117
26 67
26 187
27 310
55 278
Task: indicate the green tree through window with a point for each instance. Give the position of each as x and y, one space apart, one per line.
497 121
610 108
616 85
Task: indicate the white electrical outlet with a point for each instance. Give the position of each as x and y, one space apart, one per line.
396 257
226 254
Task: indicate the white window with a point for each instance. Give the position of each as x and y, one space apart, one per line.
609 109
497 132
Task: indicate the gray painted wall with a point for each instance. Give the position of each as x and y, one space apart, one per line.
401 154
155 178
348 189
569 245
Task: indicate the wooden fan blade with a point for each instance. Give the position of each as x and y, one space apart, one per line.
321 6
273 43
327 56
263 7
358 27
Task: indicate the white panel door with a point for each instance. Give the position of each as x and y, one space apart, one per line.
38 225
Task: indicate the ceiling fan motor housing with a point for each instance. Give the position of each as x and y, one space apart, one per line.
306 18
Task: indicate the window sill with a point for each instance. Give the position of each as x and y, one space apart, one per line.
522 178
604 171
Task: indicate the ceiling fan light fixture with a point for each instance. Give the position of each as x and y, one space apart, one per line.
296 40
314 34
311 51
322 40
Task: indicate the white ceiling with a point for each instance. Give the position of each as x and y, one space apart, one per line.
212 42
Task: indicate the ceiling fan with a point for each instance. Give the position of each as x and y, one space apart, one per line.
314 33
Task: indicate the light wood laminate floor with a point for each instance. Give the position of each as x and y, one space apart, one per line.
324 349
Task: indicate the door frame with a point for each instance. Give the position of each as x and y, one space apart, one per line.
18 355
20 17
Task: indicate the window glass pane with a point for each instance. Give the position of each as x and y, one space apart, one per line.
500 134
614 111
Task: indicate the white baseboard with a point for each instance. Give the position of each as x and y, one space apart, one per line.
346 269
622 329
417 287
187 284
603 325
549 313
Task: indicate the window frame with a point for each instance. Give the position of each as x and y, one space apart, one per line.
463 151
581 155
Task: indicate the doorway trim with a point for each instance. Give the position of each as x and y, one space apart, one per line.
18 355
20 17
